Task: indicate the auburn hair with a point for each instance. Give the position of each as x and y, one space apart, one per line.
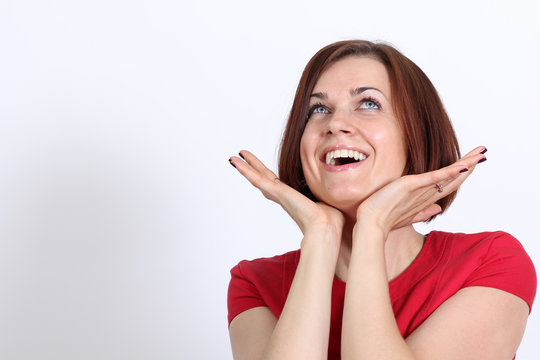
429 137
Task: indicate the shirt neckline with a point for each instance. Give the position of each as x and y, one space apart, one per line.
421 264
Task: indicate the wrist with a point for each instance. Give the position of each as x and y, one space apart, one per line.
325 227
370 216
326 238
369 228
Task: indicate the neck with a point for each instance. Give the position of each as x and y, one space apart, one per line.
401 248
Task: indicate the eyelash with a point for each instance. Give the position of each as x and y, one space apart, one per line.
364 100
373 100
313 107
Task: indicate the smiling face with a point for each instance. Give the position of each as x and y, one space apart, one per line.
352 144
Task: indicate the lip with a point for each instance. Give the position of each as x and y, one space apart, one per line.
337 168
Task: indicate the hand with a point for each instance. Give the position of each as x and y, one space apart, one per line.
412 198
307 214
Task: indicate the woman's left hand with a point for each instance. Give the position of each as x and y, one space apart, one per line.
412 198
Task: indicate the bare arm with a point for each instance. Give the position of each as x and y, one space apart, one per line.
369 328
248 341
476 323
303 328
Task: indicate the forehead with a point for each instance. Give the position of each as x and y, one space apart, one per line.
353 72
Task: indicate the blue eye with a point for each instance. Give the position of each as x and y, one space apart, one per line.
369 104
317 109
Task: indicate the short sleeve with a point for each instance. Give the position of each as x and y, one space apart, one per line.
261 282
242 295
506 266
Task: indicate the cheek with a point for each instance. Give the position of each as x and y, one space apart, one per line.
380 137
308 147
304 158
390 141
303 149
308 143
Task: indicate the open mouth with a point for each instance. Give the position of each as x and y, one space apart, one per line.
344 157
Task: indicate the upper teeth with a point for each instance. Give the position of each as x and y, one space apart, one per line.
343 153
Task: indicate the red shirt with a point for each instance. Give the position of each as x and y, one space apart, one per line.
447 263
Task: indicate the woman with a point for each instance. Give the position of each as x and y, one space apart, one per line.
369 150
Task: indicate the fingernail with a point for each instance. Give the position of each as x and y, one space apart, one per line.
241 156
481 160
464 170
483 151
230 162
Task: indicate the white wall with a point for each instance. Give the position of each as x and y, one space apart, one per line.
120 215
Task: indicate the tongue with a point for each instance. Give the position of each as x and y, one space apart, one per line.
344 161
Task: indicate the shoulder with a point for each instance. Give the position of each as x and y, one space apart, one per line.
485 238
261 282
492 259
483 245
267 266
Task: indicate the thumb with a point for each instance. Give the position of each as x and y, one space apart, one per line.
428 212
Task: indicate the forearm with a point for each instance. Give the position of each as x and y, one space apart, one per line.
369 326
303 328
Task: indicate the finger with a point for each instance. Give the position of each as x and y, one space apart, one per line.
478 150
473 157
441 176
260 181
444 188
465 166
470 161
437 184
267 182
297 205
257 164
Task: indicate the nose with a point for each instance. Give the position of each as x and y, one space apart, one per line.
339 123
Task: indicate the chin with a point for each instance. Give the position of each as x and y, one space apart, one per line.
345 201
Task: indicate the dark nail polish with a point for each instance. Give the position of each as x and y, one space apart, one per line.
230 162
464 170
483 151
481 160
241 156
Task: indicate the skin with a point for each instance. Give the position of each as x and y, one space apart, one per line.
362 232
364 121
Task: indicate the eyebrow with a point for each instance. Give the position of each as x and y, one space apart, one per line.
353 92
360 90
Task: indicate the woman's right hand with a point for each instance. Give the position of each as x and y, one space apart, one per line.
302 329
309 215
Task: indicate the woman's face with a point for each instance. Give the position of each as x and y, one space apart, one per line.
352 144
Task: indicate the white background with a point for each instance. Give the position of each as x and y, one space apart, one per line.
120 215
